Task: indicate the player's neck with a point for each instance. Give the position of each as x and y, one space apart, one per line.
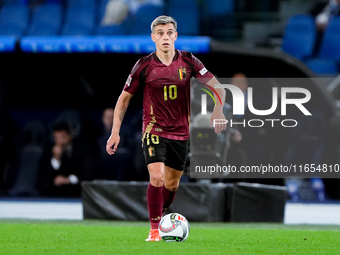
165 57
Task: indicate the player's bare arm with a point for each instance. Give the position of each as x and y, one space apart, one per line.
118 116
218 110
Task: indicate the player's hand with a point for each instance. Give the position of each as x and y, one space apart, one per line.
112 144
219 125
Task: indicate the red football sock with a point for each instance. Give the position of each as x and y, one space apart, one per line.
155 202
168 198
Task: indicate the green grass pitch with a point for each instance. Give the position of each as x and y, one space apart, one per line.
112 237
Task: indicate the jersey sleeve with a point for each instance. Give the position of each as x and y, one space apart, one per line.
200 70
133 80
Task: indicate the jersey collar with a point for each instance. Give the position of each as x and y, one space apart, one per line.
159 61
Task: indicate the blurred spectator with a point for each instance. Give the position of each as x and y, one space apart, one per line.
324 12
116 12
251 144
107 120
112 168
308 147
134 5
68 162
74 121
140 171
236 156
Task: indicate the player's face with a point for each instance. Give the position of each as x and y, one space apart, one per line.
164 36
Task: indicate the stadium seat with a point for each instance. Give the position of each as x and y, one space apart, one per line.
46 20
143 18
81 3
26 184
323 66
24 170
9 30
219 19
6 2
220 7
111 30
330 46
188 20
181 2
299 37
13 19
79 21
53 1
328 58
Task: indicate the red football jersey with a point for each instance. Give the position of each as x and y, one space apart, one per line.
166 103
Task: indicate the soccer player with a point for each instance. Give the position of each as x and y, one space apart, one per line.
164 75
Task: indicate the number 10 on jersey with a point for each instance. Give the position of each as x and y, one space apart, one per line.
170 92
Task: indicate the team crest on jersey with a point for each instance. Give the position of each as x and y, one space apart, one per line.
182 73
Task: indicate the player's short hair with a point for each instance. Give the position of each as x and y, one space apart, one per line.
163 20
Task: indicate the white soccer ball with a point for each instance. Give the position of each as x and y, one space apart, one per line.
174 227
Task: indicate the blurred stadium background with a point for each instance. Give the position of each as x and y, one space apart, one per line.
60 60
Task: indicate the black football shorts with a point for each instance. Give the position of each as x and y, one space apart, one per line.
173 153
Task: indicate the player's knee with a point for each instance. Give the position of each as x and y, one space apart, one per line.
156 174
156 180
172 185
172 188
